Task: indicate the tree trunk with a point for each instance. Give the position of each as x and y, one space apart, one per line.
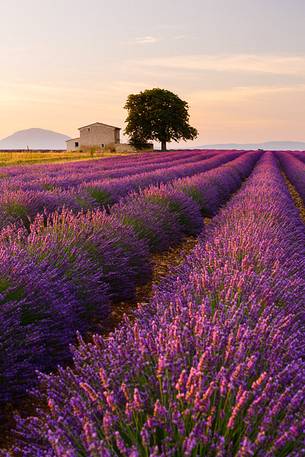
163 145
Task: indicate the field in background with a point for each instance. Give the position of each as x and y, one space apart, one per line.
32 157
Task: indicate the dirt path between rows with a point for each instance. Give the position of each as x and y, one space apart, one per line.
162 264
295 197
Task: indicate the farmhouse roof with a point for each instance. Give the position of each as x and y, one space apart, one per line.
99 123
73 139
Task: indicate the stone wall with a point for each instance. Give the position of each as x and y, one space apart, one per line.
73 144
99 135
125 147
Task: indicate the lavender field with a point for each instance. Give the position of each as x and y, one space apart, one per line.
208 360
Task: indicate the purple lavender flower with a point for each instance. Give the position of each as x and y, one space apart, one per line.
217 355
38 321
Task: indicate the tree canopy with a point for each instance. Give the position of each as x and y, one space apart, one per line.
157 115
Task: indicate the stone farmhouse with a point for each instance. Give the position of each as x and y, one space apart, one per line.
99 135
96 134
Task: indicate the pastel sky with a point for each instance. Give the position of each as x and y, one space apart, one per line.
239 63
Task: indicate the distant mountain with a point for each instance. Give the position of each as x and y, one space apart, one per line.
268 145
34 139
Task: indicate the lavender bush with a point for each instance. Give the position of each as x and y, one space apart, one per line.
213 366
110 191
100 257
25 196
185 210
21 207
295 171
299 154
38 320
45 179
212 188
95 252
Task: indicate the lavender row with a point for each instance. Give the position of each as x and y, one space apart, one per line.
214 366
106 163
212 188
295 171
84 262
110 163
107 193
22 205
299 155
43 180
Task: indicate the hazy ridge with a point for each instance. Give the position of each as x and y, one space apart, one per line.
267 145
34 138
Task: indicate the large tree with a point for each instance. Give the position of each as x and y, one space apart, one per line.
159 115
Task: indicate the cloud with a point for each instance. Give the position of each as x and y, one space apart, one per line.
243 93
269 64
146 40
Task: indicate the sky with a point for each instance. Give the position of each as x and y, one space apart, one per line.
240 64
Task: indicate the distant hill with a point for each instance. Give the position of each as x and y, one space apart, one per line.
34 139
268 145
